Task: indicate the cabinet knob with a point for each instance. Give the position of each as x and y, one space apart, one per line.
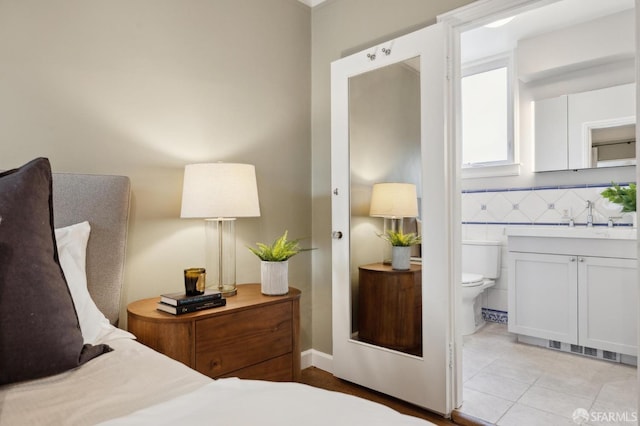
214 365
337 235
581 259
573 259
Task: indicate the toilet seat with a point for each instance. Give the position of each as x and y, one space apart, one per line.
471 280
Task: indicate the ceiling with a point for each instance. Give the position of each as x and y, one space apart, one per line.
546 18
482 41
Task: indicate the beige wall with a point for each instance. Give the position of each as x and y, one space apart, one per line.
339 28
143 87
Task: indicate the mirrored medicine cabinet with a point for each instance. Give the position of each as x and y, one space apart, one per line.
592 129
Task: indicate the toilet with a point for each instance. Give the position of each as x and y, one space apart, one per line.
480 268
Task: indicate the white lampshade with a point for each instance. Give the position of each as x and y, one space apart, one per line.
394 200
219 190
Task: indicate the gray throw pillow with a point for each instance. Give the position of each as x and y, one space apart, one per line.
39 330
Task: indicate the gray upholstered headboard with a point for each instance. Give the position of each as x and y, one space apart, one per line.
103 201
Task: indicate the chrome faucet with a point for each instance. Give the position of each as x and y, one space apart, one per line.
589 213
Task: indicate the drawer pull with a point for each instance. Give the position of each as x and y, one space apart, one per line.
214 364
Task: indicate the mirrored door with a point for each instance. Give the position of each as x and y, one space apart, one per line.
391 327
384 153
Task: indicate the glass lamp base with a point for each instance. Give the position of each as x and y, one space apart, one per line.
220 255
228 290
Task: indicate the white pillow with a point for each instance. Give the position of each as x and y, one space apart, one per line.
72 251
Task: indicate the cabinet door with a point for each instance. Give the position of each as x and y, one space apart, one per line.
608 304
551 149
594 108
543 296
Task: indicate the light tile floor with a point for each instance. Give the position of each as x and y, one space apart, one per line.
510 383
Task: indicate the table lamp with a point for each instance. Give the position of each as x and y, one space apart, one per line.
393 202
220 193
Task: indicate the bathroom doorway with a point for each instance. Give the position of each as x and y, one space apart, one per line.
502 379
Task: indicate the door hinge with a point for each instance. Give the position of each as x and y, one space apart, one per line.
450 355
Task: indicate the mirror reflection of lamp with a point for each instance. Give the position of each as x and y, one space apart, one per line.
393 202
220 193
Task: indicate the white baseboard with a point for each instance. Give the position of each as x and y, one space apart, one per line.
317 359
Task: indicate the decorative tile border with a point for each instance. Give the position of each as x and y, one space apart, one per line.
491 315
545 187
541 205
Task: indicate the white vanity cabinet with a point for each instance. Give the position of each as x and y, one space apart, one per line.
580 290
543 296
608 304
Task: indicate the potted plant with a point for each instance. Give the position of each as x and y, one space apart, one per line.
274 268
623 196
401 248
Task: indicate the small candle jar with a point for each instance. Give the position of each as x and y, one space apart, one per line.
194 281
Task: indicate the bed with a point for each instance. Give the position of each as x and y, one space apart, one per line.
62 222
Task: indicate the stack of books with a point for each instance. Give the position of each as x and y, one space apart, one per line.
180 303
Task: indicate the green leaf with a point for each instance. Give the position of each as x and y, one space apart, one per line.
399 239
624 196
279 251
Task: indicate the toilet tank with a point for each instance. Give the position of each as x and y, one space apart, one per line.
481 257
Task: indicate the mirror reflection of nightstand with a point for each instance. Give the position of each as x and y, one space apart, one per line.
390 307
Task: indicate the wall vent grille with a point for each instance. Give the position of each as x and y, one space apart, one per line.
600 354
554 344
591 352
612 356
576 349
584 350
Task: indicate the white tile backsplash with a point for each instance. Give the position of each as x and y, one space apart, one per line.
543 205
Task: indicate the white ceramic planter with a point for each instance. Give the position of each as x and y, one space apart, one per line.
401 258
274 278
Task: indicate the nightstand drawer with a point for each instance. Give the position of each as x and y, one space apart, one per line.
276 370
239 340
254 336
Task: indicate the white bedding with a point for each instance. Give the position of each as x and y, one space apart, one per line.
241 402
134 385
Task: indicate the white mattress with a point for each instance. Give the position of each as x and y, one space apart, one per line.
134 385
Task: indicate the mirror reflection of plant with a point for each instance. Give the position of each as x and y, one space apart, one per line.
624 196
280 250
399 239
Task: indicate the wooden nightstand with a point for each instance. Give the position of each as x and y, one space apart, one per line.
390 307
252 337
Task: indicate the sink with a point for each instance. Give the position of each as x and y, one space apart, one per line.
596 232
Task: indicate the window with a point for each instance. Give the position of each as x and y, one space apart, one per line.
487 114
